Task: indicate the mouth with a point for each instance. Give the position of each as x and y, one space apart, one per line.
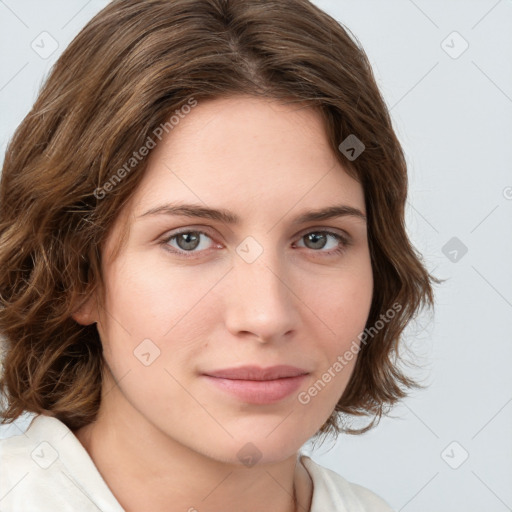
257 373
257 385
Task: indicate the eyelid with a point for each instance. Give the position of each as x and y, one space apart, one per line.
338 231
207 230
188 229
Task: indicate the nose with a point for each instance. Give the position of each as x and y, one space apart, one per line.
260 301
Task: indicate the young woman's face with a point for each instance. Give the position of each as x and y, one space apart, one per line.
191 295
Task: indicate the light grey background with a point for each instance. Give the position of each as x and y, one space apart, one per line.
452 110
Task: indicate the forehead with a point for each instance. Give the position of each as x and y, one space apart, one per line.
246 150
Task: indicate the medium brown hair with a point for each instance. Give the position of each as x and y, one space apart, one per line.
132 66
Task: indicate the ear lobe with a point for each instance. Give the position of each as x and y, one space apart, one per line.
85 314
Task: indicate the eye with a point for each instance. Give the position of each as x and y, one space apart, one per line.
187 241
319 239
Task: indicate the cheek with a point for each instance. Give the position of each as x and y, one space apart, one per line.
145 302
346 307
146 298
344 303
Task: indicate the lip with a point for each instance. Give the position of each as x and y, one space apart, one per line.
249 372
256 385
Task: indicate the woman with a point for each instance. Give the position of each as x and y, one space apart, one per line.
205 263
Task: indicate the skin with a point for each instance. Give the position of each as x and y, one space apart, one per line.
165 439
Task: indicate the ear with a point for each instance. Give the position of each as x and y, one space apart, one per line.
86 313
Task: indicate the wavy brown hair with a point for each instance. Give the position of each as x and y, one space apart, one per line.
132 66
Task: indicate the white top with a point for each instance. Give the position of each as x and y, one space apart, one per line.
46 469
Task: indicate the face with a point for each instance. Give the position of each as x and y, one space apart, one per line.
189 295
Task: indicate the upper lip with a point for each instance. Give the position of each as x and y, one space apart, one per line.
257 373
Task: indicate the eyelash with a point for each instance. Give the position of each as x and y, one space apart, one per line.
344 242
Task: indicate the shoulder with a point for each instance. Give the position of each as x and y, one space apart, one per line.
46 468
338 494
20 450
36 447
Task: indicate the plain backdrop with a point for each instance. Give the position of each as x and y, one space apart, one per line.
445 70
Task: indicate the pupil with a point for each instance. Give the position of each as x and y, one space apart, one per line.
190 241
315 238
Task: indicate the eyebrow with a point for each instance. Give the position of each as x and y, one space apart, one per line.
227 217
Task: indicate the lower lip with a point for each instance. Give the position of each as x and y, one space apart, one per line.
258 391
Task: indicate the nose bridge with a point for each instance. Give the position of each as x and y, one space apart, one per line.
261 301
